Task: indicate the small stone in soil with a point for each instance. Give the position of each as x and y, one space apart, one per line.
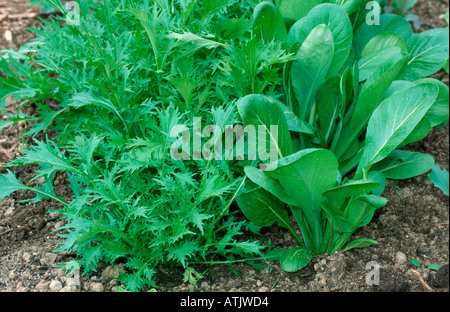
55 286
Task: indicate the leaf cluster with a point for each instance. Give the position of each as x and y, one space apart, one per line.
112 87
352 97
345 96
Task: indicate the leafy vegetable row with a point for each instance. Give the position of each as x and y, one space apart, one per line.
343 83
345 97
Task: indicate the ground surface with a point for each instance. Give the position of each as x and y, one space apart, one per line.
414 224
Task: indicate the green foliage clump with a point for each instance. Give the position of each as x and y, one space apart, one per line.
112 86
346 93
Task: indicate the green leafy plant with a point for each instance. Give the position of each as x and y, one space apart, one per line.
417 264
191 276
353 95
119 289
345 96
112 89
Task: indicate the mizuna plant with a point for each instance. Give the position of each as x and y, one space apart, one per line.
353 96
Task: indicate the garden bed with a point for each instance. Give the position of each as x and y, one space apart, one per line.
413 225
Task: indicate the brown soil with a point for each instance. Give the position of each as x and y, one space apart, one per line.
414 224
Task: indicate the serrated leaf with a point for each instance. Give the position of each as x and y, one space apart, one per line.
9 184
141 275
183 252
198 219
45 153
85 98
191 276
54 4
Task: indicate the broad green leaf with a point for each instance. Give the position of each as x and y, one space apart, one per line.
371 94
295 258
429 52
296 9
233 27
360 210
342 208
271 185
350 164
308 172
338 195
420 132
337 20
294 123
360 243
351 152
388 23
439 111
304 176
257 110
347 88
328 103
261 207
371 62
268 23
440 179
404 165
380 179
382 41
393 120
310 69
398 85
